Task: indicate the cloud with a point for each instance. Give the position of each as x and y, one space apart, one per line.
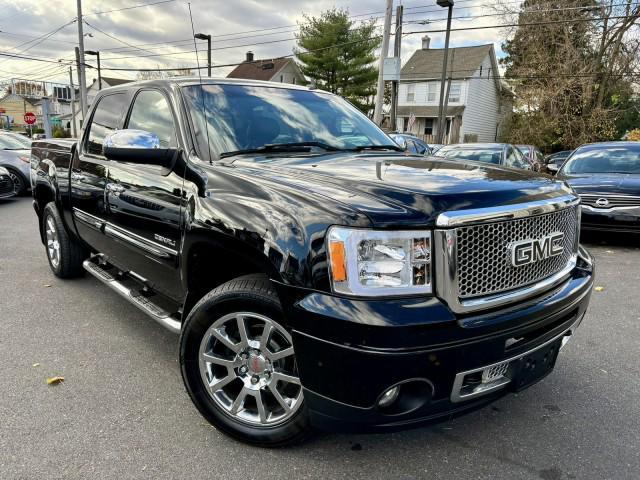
167 28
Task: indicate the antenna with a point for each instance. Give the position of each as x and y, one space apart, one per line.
204 106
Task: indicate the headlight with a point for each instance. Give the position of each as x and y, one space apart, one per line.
379 263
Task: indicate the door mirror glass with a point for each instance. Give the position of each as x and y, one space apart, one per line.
137 146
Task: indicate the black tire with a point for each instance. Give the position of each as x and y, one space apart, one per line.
251 293
70 251
18 180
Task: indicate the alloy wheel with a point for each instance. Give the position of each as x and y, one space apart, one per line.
53 244
18 183
248 367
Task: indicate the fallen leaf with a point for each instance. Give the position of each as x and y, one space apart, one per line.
599 289
54 380
35 365
47 285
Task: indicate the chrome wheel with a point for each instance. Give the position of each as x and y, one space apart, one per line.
248 366
53 244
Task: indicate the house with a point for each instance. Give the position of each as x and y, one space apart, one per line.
14 106
478 103
282 70
93 89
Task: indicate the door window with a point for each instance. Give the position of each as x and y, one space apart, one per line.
106 120
151 112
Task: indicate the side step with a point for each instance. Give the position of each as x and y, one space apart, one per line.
143 303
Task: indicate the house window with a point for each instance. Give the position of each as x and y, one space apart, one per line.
454 92
432 87
428 126
411 92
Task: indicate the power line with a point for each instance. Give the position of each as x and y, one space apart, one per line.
129 8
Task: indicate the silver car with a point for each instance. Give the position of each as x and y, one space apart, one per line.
16 158
7 187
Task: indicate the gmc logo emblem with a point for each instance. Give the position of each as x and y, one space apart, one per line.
525 252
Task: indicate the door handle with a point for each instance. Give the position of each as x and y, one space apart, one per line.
115 188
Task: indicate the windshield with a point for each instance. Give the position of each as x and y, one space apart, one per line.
241 117
21 139
485 155
604 159
7 142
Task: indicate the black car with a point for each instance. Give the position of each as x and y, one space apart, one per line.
502 154
554 161
607 178
411 143
317 275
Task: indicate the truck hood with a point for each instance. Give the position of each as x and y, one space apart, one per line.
609 183
399 189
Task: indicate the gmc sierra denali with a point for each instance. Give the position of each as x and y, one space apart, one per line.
318 276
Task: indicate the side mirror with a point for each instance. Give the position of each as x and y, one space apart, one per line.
553 168
137 146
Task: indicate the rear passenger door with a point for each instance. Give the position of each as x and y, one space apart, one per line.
89 171
144 201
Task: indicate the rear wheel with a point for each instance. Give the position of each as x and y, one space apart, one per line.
18 181
239 366
65 254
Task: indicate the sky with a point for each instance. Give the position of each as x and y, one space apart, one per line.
160 35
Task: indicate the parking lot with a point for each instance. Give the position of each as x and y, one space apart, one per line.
122 410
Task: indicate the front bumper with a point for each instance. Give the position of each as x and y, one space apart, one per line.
617 219
351 351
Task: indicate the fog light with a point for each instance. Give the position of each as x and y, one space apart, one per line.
389 397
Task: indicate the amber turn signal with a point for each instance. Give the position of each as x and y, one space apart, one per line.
338 261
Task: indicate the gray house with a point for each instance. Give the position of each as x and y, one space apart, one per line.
478 101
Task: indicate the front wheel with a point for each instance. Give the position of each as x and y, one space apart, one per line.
65 254
239 366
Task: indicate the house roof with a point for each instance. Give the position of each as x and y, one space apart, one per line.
462 62
427 112
259 69
112 82
16 96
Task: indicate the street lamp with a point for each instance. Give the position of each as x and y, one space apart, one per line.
202 36
441 114
97 54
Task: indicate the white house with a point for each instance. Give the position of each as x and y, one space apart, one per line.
477 105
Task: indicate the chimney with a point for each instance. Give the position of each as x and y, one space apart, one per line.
249 56
426 40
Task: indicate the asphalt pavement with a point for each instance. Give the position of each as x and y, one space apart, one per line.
122 411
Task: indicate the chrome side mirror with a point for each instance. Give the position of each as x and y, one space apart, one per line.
553 168
137 146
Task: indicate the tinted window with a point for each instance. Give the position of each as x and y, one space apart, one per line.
106 119
604 159
421 147
151 113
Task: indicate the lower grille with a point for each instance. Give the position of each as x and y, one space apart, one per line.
484 254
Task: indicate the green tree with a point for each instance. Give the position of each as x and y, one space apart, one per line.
339 56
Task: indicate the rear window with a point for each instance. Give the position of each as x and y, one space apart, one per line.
488 155
106 120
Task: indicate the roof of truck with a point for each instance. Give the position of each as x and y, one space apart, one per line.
184 81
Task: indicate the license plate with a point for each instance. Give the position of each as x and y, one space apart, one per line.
535 366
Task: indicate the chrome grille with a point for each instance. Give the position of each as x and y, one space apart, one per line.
483 255
612 201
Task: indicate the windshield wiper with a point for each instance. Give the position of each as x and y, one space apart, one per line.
283 147
378 147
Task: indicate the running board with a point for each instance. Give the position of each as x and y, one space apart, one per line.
143 303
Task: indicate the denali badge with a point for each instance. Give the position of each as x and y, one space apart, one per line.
165 240
525 252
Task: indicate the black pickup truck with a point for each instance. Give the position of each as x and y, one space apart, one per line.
318 276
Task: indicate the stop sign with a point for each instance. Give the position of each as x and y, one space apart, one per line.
29 118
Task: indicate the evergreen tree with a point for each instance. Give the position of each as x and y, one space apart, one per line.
341 56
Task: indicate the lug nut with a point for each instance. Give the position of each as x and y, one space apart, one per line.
243 369
254 380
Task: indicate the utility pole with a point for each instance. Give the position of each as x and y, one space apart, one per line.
81 74
446 96
441 113
83 99
377 113
73 104
397 47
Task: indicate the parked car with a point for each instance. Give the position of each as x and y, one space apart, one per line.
555 160
435 147
411 144
15 157
534 156
7 187
493 153
21 139
607 178
317 275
